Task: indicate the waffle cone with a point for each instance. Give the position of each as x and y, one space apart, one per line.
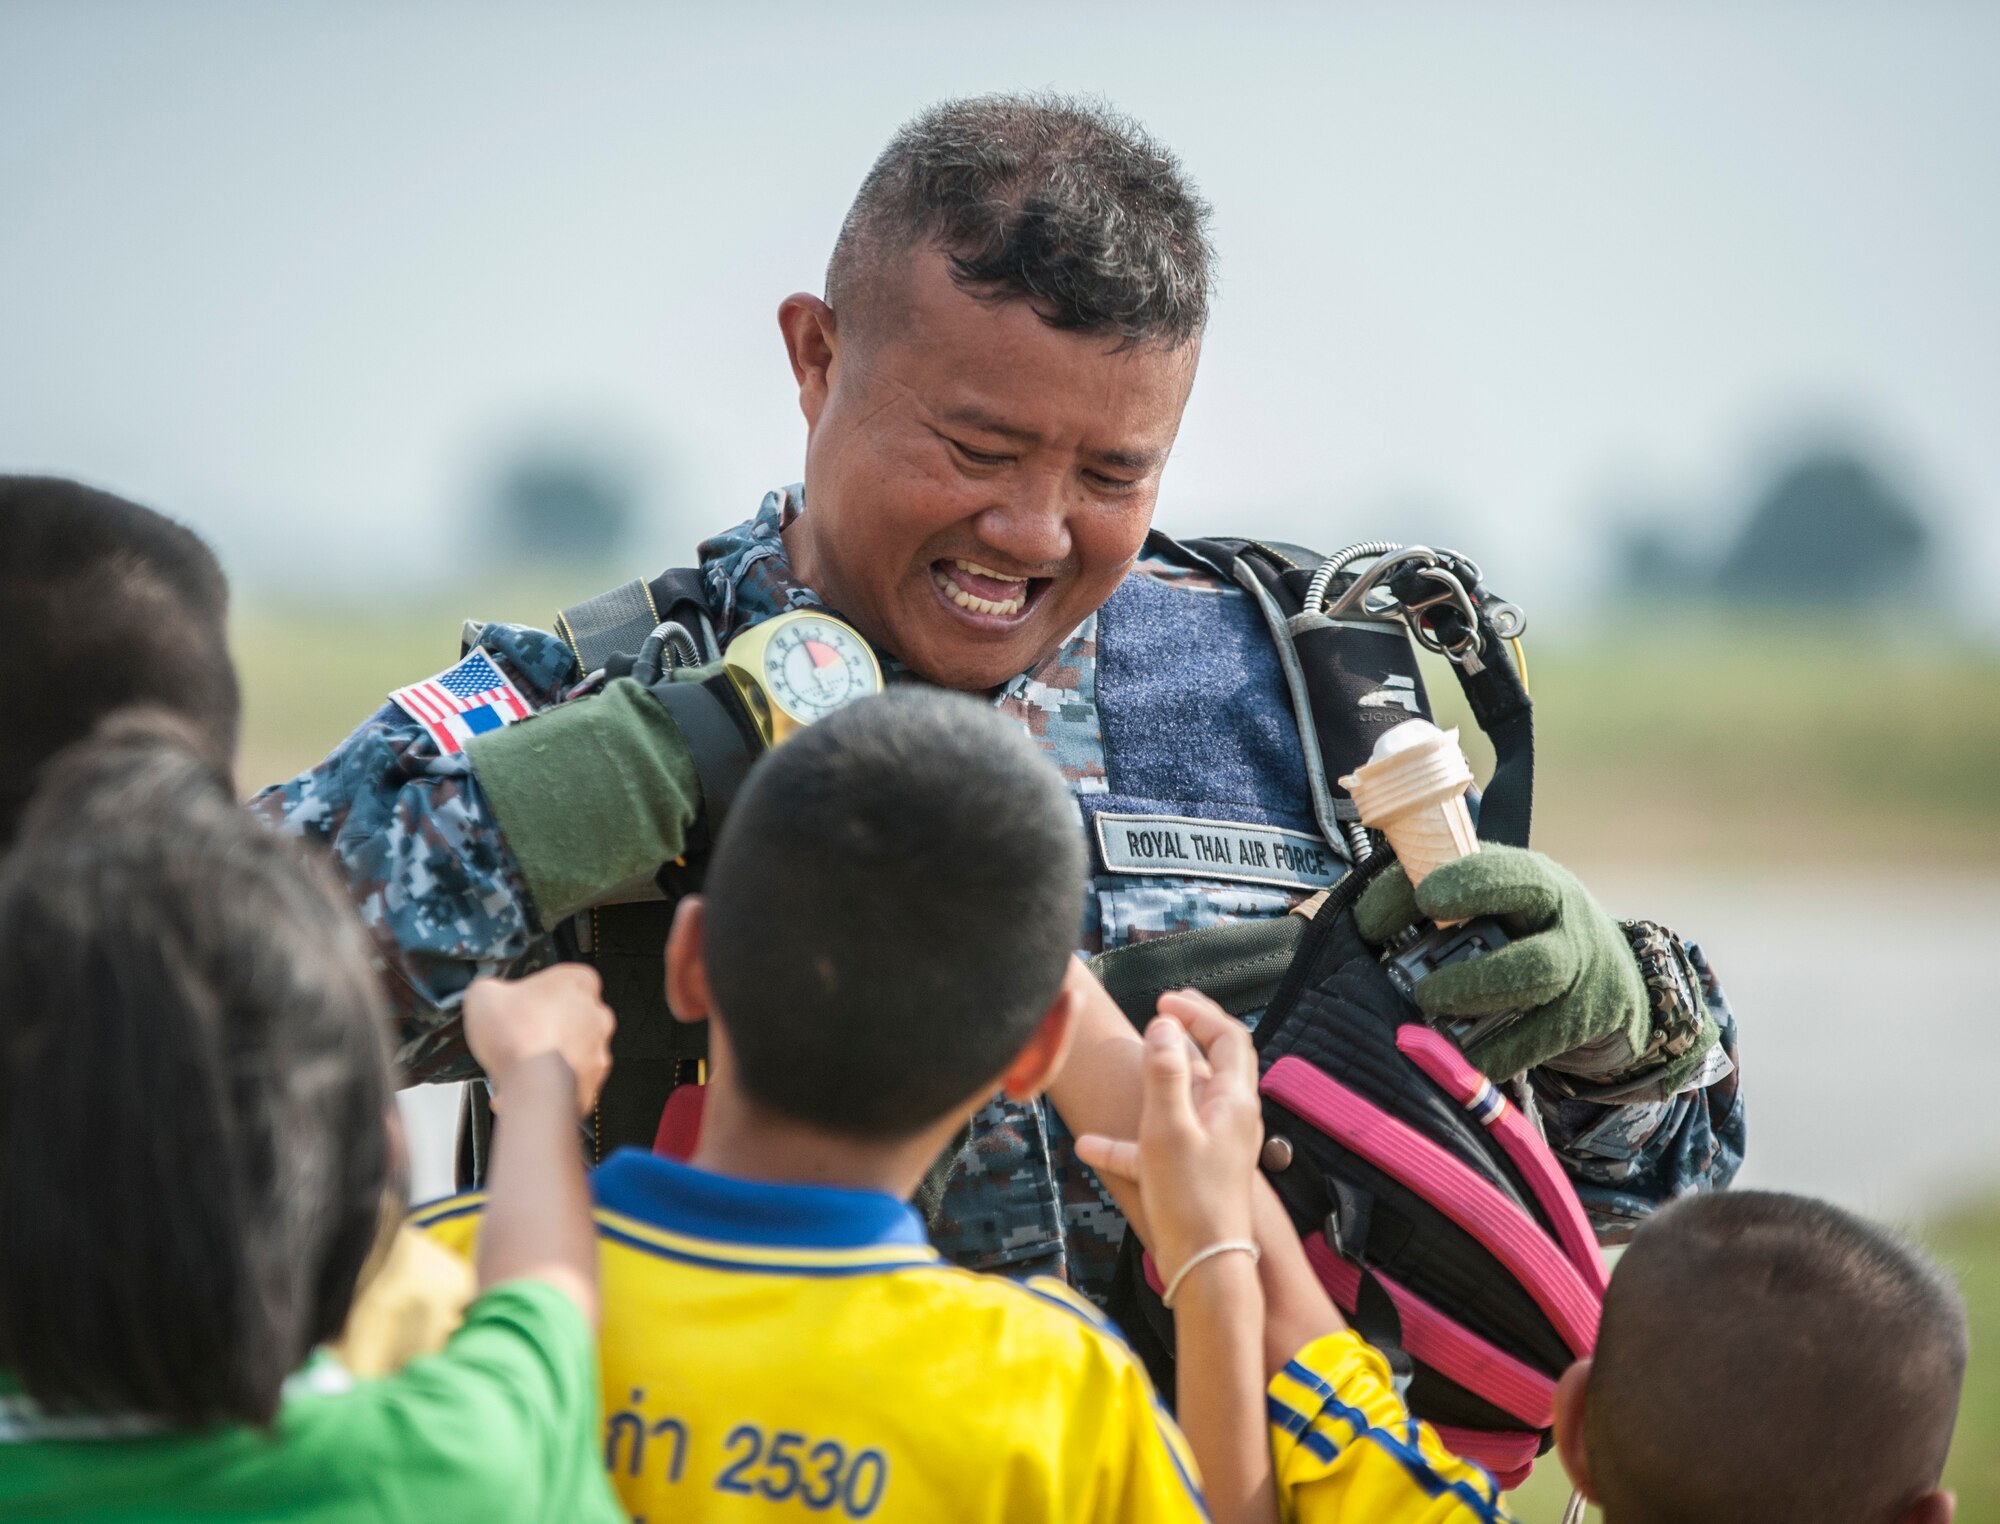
1431 835
1412 790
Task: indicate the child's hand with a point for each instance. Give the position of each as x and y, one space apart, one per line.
1200 1127
558 1011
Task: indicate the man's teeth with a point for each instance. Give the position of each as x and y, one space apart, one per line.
958 595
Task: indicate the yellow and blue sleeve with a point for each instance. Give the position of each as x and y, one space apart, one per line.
452 1223
1345 1447
1142 1467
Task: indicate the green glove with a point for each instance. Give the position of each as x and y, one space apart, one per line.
1569 969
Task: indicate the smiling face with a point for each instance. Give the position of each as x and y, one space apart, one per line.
977 482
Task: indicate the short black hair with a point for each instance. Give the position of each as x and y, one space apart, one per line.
103 604
193 1092
1053 199
891 907
1766 1357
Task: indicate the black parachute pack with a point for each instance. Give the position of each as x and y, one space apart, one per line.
1430 1206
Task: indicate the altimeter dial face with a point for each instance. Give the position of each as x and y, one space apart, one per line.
814 665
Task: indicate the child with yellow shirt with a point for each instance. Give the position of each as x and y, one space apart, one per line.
884 941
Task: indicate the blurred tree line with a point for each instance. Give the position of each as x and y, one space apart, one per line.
565 503
1830 527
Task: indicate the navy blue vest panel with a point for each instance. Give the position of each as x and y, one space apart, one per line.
1196 716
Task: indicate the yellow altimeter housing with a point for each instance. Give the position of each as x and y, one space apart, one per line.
799 667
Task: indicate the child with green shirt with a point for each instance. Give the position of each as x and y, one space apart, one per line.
194 1144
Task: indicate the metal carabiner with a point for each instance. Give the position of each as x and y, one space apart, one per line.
1507 619
1460 581
1353 601
1465 650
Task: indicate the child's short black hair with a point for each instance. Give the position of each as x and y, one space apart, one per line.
193 1092
103 604
891 908
1771 1358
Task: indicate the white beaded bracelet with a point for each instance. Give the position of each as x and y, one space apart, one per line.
1227 1246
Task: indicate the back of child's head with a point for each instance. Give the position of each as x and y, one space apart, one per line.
891 909
193 1092
1766 1357
103 604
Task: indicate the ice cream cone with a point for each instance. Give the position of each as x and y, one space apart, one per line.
1432 836
1412 790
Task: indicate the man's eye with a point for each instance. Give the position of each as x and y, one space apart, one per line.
979 457
1105 483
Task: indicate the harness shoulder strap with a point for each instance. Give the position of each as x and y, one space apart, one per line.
620 619
1341 669
680 594
1275 577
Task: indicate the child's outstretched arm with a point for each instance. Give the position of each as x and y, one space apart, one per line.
1193 1164
545 1043
1340 1443
1098 1091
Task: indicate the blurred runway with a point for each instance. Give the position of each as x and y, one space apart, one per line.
1870 1030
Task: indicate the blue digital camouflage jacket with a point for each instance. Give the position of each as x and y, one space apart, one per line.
1167 714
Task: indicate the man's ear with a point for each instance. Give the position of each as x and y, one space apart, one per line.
811 343
687 969
1571 1393
1932 1508
1037 1062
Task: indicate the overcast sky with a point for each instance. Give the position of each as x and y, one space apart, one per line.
299 272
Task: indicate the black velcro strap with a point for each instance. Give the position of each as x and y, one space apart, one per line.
1500 703
1377 1321
719 741
679 591
618 620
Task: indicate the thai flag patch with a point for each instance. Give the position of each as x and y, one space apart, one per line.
461 702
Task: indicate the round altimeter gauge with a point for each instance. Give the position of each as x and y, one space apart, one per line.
815 665
804 664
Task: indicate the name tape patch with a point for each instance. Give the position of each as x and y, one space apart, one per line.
1177 846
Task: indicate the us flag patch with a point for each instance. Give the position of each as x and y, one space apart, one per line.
462 701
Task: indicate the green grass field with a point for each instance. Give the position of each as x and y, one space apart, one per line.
1703 742
1712 745
1749 742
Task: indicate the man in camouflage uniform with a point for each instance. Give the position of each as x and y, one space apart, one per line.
991 387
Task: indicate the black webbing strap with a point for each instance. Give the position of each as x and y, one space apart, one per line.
1495 694
722 751
1500 704
598 628
619 620
1376 1319
680 595
1500 707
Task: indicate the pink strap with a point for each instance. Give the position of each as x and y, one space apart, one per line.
1508 1456
1433 1053
1447 1347
1451 1186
